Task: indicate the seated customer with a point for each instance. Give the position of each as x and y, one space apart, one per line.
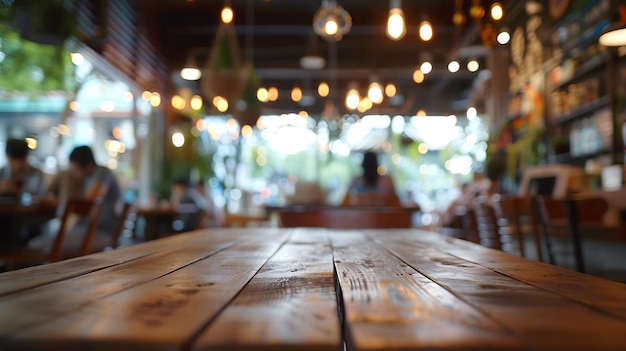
190 204
86 179
18 176
378 189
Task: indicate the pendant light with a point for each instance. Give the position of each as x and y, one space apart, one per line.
396 24
331 21
615 35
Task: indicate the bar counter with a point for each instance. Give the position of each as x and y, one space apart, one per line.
308 289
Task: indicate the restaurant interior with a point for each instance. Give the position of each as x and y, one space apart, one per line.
399 170
264 105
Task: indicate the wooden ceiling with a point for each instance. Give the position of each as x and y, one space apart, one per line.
275 34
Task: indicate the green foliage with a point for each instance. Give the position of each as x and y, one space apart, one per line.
33 68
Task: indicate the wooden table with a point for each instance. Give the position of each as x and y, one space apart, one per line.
308 289
14 216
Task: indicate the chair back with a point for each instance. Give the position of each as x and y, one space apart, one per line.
88 209
126 222
517 216
570 213
486 222
346 217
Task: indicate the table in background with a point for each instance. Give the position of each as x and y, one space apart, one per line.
14 216
288 289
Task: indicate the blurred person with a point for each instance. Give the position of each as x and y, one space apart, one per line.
85 179
370 181
190 204
371 188
18 176
211 216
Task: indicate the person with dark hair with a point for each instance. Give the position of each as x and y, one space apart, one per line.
18 176
190 204
371 182
86 179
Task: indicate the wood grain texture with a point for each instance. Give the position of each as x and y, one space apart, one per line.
390 306
544 319
32 307
601 294
289 305
163 313
28 278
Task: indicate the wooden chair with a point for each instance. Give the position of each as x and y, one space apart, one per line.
517 216
486 222
570 214
81 208
346 217
125 224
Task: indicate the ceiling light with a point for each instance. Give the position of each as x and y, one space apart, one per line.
496 11
323 89
296 94
418 76
178 102
390 90
426 31
473 66
396 25
454 66
191 71
262 95
313 58
77 58
375 92
272 93
352 98
426 67
503 37
227 15
196 103
331 21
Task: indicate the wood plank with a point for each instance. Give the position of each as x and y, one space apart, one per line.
545 320
162 314
597 293
289 305
390 306
22 279
40 305
310 236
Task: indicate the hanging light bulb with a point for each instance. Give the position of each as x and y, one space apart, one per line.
426 31
272 93
391 90
496 11
375 92
477 11
227 15
454 66
396 25
191 71
323 89
331 21
473 65
458 18
503 37
352 97
426 67
296 94
418 76
196 102
262 95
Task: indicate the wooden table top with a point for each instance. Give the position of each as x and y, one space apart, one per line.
294 289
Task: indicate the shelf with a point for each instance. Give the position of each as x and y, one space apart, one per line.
584 69
585 109
589 36
568 158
